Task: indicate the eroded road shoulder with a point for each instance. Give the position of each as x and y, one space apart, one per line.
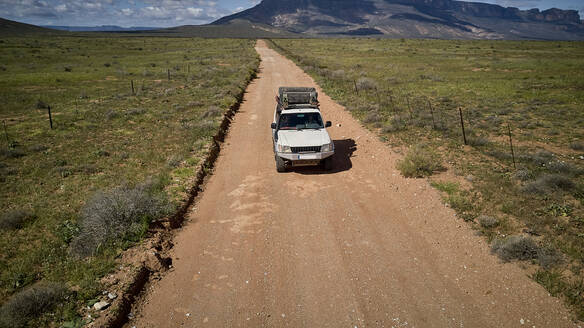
359 246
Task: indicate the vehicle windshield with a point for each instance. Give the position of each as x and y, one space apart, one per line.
298 121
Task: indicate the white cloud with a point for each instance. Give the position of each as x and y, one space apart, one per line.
61 8
195 12
127 11
161 13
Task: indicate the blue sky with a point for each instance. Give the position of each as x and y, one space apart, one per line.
165 13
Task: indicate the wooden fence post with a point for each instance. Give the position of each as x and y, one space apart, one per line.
511 145
50 117
462 125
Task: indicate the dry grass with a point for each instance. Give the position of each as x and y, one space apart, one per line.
488 222
122 213
28 304
420 161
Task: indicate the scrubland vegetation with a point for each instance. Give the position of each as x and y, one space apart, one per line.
132 121
527 200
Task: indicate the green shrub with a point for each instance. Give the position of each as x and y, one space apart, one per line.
338 75
577 146
477 140
122 213
540 158
373 118
549 257
135 111
462 205
211 112
548 183
525 248
450 188
487 222
523 175
419 162
563 167
15 219
366 83
12 153
38 148
30 303
515 248
174 161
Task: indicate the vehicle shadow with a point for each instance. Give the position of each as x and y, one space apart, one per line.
344 150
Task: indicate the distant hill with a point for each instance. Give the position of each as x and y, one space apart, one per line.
12 28
413 18
235 28
102 28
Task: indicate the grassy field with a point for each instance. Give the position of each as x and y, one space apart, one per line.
528 202
132 120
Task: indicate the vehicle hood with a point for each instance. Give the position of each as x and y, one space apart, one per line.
303 138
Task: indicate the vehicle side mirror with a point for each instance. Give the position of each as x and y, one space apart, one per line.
273 126
327 124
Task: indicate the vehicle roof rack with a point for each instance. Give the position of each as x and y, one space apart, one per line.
297 97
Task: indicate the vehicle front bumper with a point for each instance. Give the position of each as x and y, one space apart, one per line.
293 157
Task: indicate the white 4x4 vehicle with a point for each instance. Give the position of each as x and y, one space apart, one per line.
298 132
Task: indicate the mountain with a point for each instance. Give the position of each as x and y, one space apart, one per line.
448 19
102 28
12 28
234 28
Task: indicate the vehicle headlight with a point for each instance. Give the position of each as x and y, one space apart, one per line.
327 147
284 149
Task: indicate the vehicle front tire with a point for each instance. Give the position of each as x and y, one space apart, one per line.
280 164
328 163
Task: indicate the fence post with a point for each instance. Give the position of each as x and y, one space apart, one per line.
432 112
132 84
50 117
462 125
511 145
168 73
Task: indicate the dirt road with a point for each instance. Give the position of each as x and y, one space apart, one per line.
357 247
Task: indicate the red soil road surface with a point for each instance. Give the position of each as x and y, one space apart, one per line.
359 246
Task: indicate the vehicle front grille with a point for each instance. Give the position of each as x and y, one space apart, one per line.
310 149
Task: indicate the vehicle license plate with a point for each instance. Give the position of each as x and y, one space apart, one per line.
307 156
